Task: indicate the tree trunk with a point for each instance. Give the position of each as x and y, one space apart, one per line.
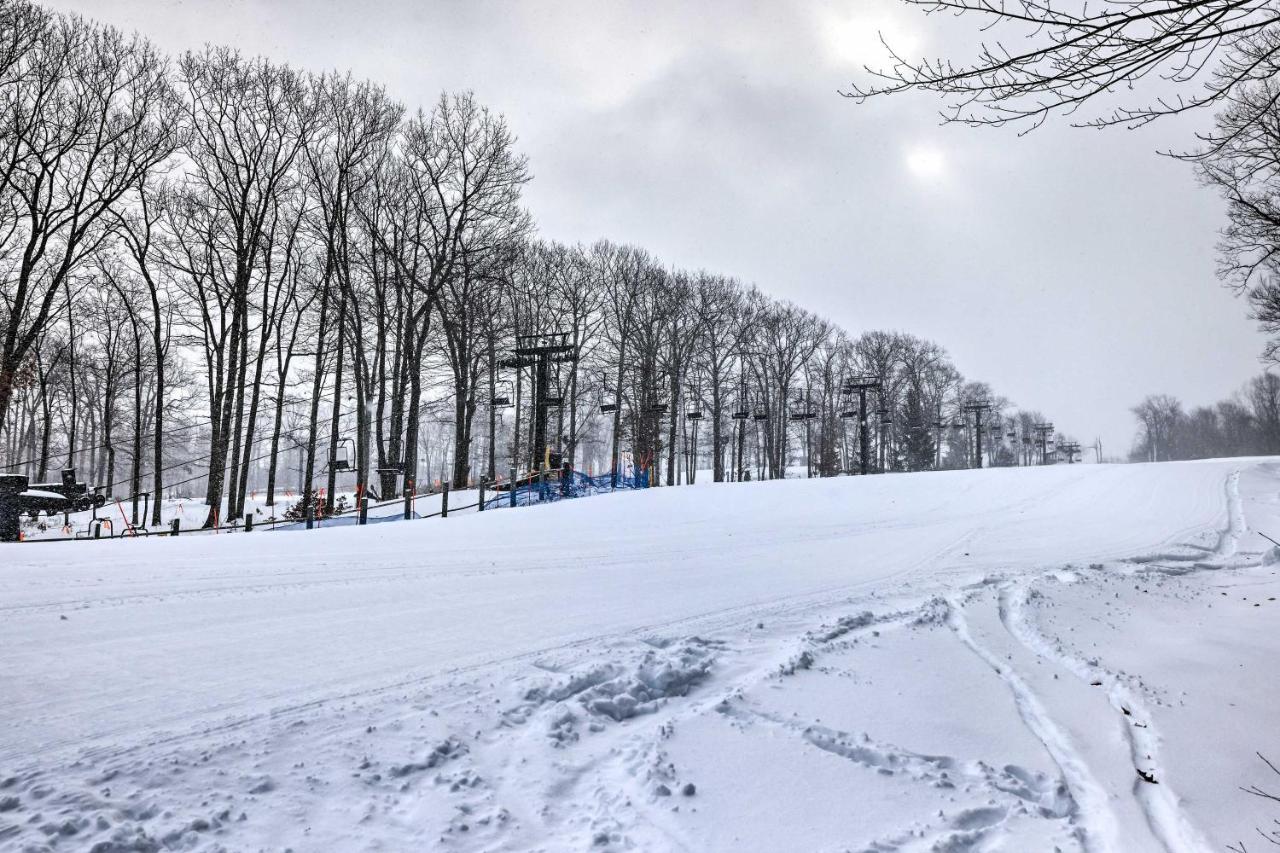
135 478
222 435
335 421
242 442
493 414
317 385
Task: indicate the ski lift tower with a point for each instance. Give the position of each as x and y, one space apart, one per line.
1043 431
540 351
979 408
862 384
803 413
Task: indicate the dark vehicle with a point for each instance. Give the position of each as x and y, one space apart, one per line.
77 495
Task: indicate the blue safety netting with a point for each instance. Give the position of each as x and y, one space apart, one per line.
577 485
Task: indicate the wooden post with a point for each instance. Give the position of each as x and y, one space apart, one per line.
480 505
513 486
444 501
311 515
173 526
364 510
248 522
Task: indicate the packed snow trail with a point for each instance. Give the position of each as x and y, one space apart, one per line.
556 677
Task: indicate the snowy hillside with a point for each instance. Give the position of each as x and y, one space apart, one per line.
959 661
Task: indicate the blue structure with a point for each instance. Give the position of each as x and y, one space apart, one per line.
578 485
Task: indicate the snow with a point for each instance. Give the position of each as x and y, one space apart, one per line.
42 495
953 661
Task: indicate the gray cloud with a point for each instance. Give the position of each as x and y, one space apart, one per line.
1072 269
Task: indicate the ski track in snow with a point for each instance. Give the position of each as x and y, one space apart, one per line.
1159 802
1010 788
1160 805
1094 814
587 730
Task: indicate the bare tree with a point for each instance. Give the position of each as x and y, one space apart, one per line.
249 120
343 154
720 308
1272 834
88 113
1158 416
1065 57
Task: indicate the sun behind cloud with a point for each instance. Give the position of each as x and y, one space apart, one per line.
926 162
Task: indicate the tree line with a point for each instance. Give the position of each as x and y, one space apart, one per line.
1245 424
223 276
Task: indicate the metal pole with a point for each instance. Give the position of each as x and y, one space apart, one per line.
862 430
977 422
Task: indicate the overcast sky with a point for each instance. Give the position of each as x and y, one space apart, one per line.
1072 269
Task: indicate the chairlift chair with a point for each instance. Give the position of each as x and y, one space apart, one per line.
851 413
740 415
694 415
761 416
344 453
501 398
392 466
606 390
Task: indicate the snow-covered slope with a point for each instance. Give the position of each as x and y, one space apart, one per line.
953 661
